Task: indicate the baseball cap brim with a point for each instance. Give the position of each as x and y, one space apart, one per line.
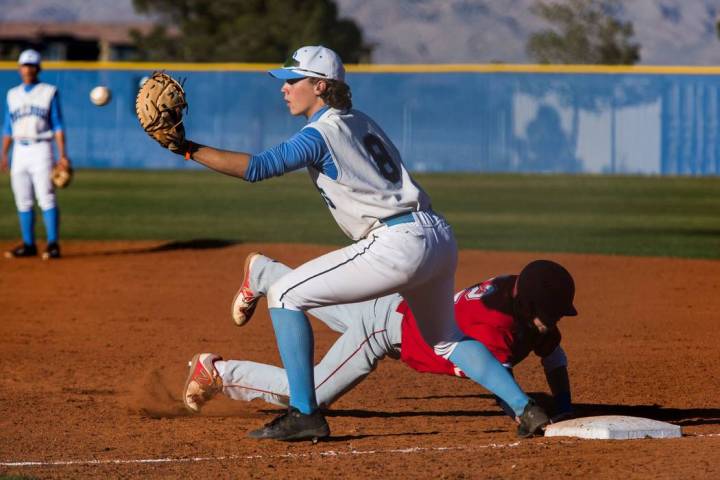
285 74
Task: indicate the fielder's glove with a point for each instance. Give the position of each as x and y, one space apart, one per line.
159 107
61 175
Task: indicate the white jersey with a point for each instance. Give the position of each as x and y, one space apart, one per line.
30 111
372 183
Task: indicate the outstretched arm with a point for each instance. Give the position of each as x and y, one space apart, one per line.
558 379
303 149
230 163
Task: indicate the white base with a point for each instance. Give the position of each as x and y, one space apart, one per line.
613 427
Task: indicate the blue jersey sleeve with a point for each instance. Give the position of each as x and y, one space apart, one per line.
55 113
304 149
7 122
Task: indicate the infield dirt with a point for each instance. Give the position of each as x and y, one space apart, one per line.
95 349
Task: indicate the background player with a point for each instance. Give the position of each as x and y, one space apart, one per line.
511 315
32 119
401 244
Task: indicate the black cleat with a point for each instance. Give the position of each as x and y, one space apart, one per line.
532 421
294 425
52 251
22 251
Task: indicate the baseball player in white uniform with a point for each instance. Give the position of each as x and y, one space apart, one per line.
32 120
512 315
400 244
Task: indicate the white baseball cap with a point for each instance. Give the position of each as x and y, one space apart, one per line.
312 61
29 57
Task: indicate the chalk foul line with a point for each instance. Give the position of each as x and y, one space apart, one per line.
326 453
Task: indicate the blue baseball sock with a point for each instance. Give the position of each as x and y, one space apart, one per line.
506 408
296 344
477 362
27 226
51 218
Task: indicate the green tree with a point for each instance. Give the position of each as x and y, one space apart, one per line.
583 32
245 30
589 32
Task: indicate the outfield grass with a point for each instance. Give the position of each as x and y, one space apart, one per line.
600 214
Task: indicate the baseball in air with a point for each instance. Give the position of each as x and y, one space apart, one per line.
100 95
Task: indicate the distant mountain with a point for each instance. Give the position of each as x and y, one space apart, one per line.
671 32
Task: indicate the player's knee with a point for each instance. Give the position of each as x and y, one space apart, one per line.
24 205
274 295
281 296
47 203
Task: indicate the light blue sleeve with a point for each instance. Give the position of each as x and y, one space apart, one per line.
7 122
304 149
55 113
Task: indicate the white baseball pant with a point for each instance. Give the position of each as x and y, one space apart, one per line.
415 259
30 175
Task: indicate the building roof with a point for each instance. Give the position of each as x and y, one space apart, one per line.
113 33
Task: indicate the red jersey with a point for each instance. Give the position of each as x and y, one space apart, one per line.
483 312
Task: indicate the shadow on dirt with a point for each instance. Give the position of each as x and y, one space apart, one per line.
679 416
441 397
195 244
684 417
414 413
347 438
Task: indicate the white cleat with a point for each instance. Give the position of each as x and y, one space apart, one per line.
245 301
203 381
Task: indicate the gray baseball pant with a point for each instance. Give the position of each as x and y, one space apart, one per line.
369 330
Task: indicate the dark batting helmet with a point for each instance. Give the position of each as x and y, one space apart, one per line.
548 289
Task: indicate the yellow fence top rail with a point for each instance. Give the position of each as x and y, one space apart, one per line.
385 68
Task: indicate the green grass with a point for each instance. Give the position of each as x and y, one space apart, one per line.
655 216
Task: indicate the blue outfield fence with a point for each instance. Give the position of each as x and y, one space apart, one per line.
452 118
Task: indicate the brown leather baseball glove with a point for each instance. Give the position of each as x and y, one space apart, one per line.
61 175
159 107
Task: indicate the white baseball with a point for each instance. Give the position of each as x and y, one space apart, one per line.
100 95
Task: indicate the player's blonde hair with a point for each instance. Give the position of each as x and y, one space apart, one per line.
337 94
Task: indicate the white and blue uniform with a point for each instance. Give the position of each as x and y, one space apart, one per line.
401 246
32 117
